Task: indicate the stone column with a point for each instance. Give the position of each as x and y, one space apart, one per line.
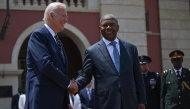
175 29
8 77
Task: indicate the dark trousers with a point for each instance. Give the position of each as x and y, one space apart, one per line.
121 99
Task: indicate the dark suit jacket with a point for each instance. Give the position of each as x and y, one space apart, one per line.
152 90
14 102
86 103
110 85
47 81
173 94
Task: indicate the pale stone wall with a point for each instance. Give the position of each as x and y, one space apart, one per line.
8 80
175 29
131 17
5 103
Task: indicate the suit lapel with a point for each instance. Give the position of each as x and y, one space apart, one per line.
52 41
173 75
123 56
103 49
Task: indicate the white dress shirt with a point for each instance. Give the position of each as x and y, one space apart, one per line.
51 31
77 102
180 70
21 101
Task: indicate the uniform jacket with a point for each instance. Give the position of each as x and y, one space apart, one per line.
173 94
86 103
47 81
110 85
152 85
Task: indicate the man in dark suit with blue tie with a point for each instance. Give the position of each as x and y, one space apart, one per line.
87 97
115 66
47 82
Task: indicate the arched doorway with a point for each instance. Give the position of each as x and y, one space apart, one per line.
73 55
22 62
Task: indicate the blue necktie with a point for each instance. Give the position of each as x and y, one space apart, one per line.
178 75
59 44
116 56
89 94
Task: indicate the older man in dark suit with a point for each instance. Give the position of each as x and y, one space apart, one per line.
115 66
47 81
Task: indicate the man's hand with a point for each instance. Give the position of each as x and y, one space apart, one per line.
141 106
73 87
70 106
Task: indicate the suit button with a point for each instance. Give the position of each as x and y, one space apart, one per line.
179 102
179 96
119 88
178 90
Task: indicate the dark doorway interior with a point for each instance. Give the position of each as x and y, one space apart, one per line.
73 55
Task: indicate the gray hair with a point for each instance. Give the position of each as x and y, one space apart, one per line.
52 7
109 17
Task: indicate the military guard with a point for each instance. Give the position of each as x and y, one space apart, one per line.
152 83
175 90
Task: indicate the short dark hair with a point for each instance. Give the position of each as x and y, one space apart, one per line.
109 16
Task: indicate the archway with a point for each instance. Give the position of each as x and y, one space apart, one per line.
76 35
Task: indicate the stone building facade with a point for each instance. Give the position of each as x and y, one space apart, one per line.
156 27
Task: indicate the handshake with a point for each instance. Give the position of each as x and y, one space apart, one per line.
73 88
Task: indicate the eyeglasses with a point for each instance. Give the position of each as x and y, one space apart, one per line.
65 16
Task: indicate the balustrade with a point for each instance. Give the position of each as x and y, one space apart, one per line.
68 2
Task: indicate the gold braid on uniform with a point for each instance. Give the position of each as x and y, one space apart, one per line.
185 84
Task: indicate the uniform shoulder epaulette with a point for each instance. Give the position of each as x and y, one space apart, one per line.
187 69
155 73
165 71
